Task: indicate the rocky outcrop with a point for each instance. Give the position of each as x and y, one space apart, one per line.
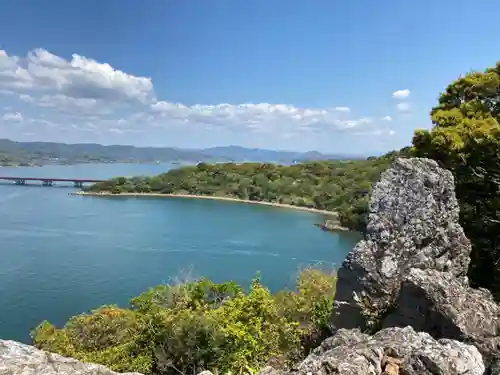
445 306
413 223
332 226
392 351
20 359
406 285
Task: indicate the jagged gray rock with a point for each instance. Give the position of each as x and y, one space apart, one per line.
392 351
269 370
21 359
446 307
413 223
343 337
409 275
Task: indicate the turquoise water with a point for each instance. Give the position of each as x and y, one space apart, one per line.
61 255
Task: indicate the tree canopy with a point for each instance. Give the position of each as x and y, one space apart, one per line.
339 186
466 139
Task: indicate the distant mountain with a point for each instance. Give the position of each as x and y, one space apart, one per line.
61 153
239 153
16 153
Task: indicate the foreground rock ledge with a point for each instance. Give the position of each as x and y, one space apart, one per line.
446 307
20 359
392 351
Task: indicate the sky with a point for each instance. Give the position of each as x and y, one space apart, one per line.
345 76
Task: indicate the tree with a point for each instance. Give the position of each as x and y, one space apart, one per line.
466 139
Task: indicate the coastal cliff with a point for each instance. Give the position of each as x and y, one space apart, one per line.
403 303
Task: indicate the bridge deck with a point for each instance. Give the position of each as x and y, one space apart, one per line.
50 179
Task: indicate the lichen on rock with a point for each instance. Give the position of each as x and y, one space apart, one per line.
413 223
21 359
403 304
445 306
394 351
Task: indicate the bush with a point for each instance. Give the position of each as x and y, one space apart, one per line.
109 335
310 305
191 326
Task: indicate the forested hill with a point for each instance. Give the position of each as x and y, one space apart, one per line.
340 186
29 153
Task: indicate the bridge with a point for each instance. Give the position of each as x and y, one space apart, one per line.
77 182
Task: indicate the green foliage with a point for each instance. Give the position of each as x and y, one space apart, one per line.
203 294
310 305
466 139
340 186
191 326
108 335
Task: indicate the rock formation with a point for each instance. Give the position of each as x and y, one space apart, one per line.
392 351
446 307
20 359
403 304
413 222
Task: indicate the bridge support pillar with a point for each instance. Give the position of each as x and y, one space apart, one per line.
20 182
47 183
78 184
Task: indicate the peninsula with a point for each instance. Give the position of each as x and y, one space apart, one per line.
335 188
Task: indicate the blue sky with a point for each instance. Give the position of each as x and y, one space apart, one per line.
353 76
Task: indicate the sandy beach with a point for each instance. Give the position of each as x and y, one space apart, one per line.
281 205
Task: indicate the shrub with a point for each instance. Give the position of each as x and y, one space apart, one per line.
109 335
310 305
192 326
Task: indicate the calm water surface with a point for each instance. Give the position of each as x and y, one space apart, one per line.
61 255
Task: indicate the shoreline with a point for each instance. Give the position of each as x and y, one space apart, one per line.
227 199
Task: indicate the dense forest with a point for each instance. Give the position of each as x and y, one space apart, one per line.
201 325
340 186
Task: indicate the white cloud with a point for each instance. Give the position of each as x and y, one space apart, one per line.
343 109
26 98
13 116
79 106
386 118
403 107
42 122
401 94
80 77
254 116
375 132
79 95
